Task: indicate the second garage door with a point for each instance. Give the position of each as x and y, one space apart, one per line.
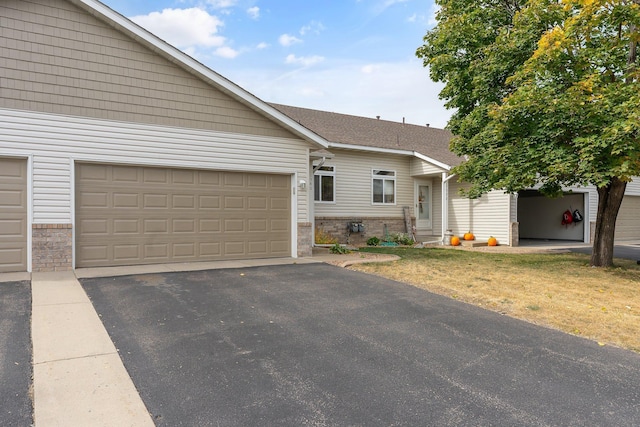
129 215
13 215
628 222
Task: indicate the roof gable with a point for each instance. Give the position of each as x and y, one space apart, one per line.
430 143
179 58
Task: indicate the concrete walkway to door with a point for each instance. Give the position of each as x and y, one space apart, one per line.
78 377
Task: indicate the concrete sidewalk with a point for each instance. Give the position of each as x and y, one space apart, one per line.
78 377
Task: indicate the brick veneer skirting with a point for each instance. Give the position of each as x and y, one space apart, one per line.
305 245
52 247
337 227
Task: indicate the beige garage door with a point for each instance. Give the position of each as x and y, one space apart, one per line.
127 215
13 215
628 222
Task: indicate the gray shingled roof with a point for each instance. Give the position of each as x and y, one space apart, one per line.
363 131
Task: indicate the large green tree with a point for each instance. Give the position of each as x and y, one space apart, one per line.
545 93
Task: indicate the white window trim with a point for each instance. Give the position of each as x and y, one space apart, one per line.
384 178
321 173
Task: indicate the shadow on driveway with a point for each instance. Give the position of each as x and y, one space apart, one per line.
320 345
16 407
627 251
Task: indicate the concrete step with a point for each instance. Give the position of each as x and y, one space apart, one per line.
473 243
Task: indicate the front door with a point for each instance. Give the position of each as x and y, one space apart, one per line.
423 205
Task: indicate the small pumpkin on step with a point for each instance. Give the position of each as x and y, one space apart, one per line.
492 241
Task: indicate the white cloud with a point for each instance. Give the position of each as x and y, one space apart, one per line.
389 3
183 28
381 6
305 61
369 68
254 12
421 19
432 21
312 27
262 45
288 40
389 90
226 52
221 4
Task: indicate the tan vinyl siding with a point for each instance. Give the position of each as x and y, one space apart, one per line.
59 140
486 216
420 167
57 58
353 185
436 209
633 187
628 222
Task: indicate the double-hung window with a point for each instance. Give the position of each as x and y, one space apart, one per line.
383 186
324 184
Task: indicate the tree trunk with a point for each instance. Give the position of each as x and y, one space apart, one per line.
609 201
610 196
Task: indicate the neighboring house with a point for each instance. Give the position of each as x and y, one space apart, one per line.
118 149
378 167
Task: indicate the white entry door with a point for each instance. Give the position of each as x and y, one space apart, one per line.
423 205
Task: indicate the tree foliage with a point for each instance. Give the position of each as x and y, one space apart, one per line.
546 93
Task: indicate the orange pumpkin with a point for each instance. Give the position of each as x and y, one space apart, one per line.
492 241
455 241
468 236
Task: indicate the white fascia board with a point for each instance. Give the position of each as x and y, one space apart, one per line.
179 57
371 149
432 161
390 151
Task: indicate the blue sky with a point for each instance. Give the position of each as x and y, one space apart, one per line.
350 56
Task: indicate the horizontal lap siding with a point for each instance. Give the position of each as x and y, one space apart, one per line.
353 185
486 216
628 222
58 140
633 187
436 208
59 59
420 167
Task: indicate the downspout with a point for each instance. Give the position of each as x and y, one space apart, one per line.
445 204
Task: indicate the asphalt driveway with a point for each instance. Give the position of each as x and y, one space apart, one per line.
319 345
16 408
624 251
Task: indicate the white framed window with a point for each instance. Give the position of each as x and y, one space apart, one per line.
324 184
383 186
